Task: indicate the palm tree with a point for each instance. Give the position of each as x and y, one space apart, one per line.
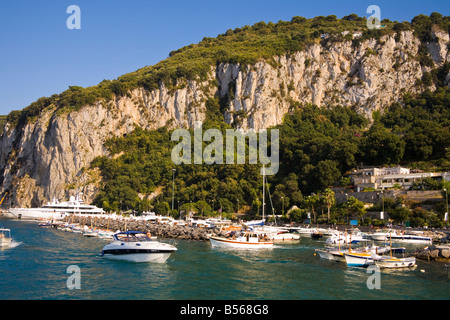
311 202
330 200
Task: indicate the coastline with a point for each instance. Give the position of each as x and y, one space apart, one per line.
438 251
181 232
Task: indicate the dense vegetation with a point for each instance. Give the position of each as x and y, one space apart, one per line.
317 148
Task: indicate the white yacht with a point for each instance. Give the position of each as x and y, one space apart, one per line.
55 210
136 246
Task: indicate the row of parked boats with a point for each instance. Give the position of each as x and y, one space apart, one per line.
143 247
339 244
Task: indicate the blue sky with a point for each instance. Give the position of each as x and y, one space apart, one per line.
40 56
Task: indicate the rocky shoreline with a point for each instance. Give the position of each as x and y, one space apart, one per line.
181 232
434 252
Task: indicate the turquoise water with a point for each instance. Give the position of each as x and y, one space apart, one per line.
36 268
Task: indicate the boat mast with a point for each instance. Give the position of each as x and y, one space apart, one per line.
264 192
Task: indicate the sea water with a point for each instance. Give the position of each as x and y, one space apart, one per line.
37 267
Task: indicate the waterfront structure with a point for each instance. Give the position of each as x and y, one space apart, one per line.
383 178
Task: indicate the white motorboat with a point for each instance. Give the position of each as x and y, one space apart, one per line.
105 234
355 236
334 254
284 236
55 210
400 236
136 246
5 238
278 233
244 240
92 233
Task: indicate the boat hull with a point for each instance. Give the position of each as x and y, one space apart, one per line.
30 214
330 255
285 237
160 257
148 251
358 259
230 243
5 242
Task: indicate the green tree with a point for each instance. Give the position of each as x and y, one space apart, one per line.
311 202
329 199
162 208
400 214
356 208
381 146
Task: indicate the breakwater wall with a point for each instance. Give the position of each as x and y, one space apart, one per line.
182 232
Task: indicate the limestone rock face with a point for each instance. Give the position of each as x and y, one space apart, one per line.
50 157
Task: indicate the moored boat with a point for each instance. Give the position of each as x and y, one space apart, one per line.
393 262
359 259
316 234
333 254
400 236
244 240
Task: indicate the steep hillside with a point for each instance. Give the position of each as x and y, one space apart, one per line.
258 74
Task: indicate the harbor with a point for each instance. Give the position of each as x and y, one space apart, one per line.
37 269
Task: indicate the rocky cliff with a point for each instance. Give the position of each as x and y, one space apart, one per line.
50 156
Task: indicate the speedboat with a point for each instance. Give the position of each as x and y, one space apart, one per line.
5 238
243 240
400 236
137 246
334 254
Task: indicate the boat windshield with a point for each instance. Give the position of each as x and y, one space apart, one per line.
132 237
5 233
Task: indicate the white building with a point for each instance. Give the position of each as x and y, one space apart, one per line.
383 178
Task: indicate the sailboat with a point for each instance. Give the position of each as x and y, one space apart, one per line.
250 239
274 233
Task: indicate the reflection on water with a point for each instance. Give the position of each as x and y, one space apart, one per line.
37 269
